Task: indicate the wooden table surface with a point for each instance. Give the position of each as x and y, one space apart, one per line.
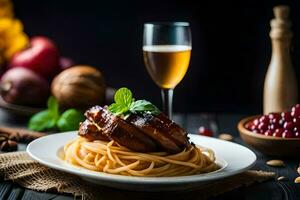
221 123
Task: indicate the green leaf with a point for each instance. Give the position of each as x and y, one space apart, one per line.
118 109
123 96
53 107
69 120
144 106
126 104
41 121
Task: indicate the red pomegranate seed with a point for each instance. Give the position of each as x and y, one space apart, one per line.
278 132
268 133
264 119
248 125
288 126
297 134
286 116
287 134
205 131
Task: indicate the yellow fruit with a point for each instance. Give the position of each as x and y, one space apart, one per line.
6 9
12 37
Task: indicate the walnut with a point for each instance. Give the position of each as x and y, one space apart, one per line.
79 87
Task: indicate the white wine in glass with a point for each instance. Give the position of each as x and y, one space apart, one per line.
167 51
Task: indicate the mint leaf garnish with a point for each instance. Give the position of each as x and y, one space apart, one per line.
123 96
53 107
125 104
69 120
118 109
50 118
144 106
41 121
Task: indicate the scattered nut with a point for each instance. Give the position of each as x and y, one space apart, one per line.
3 135
281 178
4 145
275 163
298 170
9 145
2 138
297 180
225 136
14 137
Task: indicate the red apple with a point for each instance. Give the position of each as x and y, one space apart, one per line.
41 56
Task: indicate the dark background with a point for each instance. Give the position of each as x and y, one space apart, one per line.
231 46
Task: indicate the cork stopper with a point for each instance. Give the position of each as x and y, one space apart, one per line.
281 12
281 25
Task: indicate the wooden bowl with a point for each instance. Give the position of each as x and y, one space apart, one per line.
269 145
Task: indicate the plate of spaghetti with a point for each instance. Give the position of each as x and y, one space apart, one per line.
132 145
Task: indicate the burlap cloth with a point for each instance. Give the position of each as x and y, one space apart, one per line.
21 169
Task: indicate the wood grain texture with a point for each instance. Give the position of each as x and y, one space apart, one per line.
274 190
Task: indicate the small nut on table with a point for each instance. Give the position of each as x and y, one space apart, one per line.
225 136
3 136
281 178
2 139
275 163
9 145
15 137
297 180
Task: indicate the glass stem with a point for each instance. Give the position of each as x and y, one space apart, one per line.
167 100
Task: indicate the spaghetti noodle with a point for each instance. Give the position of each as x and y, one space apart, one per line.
112 158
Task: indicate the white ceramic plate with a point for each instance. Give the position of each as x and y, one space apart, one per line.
232 157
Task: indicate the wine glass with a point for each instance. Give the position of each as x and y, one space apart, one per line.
167 50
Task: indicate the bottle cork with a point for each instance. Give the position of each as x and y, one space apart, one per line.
281 12
281 25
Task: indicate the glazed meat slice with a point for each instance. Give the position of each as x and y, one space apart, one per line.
166 133
120 131
178 134
90 131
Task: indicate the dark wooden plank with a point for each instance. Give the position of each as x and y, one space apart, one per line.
178 118
192 122
220 124
33 195
271 189
61 197
16 192
7 119
5 189
227 123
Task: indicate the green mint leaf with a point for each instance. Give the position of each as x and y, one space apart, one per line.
69 120
123 96
41 121
126 104
53 107
144 106
118 109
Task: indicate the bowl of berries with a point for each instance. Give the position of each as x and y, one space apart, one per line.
276 134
